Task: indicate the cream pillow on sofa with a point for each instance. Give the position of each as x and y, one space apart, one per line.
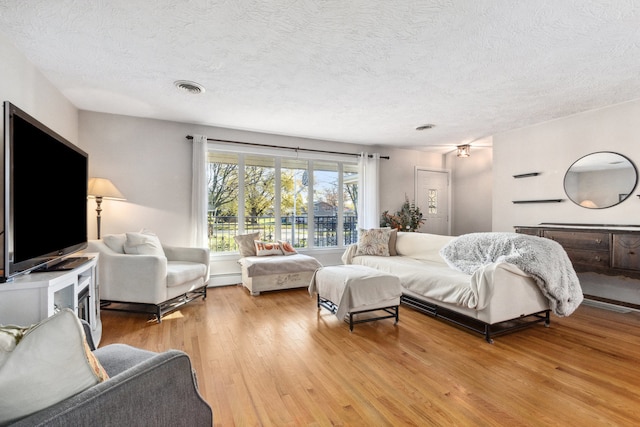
246 245
115 242
49 364
143 244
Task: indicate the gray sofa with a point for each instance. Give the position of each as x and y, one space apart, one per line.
144 388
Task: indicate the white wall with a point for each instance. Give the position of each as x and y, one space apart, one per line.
28 89
25 87
150 162
551 148
398 175
472 180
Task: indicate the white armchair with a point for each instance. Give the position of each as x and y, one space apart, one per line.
137 273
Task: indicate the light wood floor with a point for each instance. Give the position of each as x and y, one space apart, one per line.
275 360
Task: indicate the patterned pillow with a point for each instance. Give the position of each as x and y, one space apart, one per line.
287 247
246 247
267 248
374 242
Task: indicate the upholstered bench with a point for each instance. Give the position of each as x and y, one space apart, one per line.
356 289
270 273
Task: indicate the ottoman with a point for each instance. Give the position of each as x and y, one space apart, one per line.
356 289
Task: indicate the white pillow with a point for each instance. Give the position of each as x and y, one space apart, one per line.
9 337
246 245
267 248
51 363
287 248
143 244
115 242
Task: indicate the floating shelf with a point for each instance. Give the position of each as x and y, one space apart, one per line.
527 175
538 201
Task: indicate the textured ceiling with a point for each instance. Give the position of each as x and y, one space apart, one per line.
361 71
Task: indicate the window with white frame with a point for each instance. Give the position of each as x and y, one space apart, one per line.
309 202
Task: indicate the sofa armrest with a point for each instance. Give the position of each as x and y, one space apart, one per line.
178 253
190 254
132 278
159 390
349 253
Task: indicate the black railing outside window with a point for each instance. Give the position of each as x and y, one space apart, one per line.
222 229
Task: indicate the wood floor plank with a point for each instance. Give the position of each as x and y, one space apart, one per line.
277 360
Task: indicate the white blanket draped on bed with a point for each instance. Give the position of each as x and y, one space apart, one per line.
545 260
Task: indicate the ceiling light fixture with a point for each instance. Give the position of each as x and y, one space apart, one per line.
425 127
189 86
464 150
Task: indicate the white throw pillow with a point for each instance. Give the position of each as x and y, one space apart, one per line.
51 363
287 248
246 245
10 335
143 244
115 242
267 248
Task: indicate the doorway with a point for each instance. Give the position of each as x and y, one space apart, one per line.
433 197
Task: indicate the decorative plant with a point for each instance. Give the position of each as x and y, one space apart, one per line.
408 218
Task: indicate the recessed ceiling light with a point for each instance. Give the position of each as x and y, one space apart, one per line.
189 86
425 127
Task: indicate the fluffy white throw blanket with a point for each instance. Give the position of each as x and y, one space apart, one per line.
543 259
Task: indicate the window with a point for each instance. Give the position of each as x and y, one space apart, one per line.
308 202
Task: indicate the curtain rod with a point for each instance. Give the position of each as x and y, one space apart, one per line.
286 148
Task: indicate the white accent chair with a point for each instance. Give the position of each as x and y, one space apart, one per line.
139 274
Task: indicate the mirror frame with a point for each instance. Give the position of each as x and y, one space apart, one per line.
635 169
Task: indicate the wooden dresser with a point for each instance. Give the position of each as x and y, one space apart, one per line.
602 249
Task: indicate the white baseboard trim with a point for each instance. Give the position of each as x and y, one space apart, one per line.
224 279
607 306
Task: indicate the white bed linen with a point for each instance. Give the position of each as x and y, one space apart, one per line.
436 280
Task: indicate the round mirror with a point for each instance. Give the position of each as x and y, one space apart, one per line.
600 180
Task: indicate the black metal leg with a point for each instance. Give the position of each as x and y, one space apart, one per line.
487 334
547 319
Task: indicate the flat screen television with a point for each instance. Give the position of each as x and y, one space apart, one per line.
45 195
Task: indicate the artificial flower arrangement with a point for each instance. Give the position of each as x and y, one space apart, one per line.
408 218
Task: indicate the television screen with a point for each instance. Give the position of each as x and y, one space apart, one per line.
46 184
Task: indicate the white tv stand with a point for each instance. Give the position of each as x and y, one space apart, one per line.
30 298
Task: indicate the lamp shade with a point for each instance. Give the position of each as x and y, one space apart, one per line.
102 187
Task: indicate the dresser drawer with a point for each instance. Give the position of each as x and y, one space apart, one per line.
585 260
626 251
529 231
587 241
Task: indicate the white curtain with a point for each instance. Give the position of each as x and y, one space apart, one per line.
199 192
368 191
